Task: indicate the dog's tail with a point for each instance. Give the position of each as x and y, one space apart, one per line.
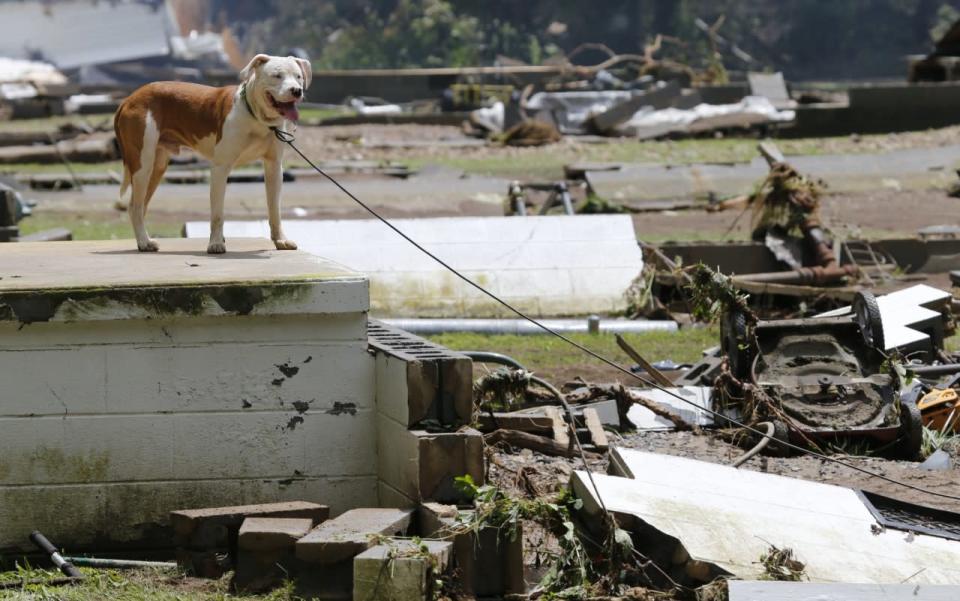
124 185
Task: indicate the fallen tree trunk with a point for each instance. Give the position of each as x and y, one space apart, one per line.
540 444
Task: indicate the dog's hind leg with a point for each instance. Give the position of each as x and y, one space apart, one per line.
140 182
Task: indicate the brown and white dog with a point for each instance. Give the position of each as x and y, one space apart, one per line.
228 126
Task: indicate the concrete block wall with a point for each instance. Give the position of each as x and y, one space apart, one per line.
424 403
126 401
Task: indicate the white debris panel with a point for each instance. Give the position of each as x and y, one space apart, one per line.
548 266
907 315
701 397
769 590
728 518
752 110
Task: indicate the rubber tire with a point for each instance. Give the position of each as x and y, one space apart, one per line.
866 312
781 433
910 431
734 343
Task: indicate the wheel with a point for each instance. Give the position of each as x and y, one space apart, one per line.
866 312
734 343
781 434
911 431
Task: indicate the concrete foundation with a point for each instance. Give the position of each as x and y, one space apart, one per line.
135 384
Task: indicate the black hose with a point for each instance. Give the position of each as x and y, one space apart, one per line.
47 547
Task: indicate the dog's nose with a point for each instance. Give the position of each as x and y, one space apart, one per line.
297 92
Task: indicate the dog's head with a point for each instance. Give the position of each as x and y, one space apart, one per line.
275 85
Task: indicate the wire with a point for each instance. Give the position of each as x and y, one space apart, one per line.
288 138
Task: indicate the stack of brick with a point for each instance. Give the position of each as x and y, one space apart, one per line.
424 402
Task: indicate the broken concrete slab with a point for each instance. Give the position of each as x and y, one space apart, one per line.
269 533
553 265
724 519
350 533
766 590
400 570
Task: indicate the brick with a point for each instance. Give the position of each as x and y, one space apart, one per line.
419 380
349 534
399 570
423 465
265 534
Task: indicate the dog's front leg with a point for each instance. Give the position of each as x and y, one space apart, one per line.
273 176
218 189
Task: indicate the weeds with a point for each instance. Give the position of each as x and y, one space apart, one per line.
780 564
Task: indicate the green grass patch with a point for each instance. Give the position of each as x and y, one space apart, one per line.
99 226
537 353
129 585
29 168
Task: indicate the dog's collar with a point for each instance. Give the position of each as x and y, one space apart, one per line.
246 103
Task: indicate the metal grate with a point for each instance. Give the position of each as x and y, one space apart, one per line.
900 515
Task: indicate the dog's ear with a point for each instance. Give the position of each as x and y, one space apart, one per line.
307 71
252 66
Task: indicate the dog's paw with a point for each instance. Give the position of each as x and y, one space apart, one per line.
285 244
216 248
150 246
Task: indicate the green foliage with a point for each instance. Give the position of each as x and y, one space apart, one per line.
417 33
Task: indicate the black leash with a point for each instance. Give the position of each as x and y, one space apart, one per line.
288 138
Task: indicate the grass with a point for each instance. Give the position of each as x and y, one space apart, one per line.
130 585
549 356
101 226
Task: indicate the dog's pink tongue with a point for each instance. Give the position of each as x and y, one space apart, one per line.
290 111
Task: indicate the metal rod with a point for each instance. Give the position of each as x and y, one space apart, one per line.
430 326
97 562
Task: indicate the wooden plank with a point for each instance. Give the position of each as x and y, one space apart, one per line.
524 422
559 427
597 435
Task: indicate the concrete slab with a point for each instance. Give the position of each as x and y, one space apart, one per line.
725 519
750 590
548 266
109 279
350 533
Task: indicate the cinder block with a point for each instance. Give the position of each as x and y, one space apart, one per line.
489 562
419 380
399 570
422 465
267 534
207 538
187 523
350 533
266 552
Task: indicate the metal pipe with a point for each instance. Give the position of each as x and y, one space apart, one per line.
430 326
935 370
490 357
804 275
47 547
97 562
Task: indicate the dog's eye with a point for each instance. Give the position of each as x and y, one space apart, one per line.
277 75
